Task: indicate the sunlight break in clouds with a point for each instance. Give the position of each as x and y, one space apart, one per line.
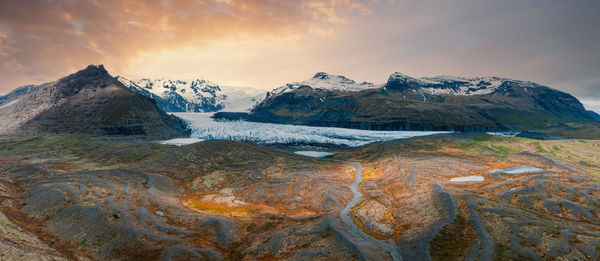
266 43
42 40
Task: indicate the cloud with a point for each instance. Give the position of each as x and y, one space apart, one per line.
41 40
266 43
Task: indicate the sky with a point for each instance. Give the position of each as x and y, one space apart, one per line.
267 43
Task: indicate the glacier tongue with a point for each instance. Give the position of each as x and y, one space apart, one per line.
205 128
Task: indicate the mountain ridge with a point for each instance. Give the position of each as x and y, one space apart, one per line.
190 95
429 103
90 102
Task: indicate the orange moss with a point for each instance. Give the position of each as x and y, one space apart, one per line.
61 166
197 202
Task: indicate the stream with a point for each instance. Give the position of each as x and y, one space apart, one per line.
388 246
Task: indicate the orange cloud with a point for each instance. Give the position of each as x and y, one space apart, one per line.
44 39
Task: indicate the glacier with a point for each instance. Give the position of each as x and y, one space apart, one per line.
205 128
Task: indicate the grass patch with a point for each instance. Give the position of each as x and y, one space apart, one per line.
84 148
490 145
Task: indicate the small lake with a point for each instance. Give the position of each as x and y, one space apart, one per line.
467 179
314 154
517 170
180 141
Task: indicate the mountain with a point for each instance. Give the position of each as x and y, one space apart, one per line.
89 102
428 103
326 81
198 95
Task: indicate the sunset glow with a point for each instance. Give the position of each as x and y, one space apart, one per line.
266 43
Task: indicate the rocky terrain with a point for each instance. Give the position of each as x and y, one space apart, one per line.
69 190
88 102
430 103
74 197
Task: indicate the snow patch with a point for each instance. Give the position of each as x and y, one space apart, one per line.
452 85
326 81
504 134
197 91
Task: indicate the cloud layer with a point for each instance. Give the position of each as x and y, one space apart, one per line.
48 38
265 43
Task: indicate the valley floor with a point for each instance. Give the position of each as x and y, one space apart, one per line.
78 198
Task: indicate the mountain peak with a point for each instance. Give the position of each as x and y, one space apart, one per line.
321 76
95 67
94 76
92 71
325 81
398 75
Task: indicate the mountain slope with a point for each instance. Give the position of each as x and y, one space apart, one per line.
199 95
595 115
18 93
89 102
431 103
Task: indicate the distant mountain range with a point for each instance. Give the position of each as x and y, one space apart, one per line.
428 103
90 102
196 95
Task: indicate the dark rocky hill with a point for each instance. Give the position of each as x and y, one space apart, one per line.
594 114
89 102
433 103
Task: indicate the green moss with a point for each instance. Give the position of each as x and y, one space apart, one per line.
84 148
487 137
492 145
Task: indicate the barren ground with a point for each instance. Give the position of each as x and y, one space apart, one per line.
68 198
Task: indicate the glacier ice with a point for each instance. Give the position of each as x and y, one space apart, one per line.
205 128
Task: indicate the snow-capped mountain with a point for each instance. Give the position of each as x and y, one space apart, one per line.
197 95
427 103
448 85
326 81
451 85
